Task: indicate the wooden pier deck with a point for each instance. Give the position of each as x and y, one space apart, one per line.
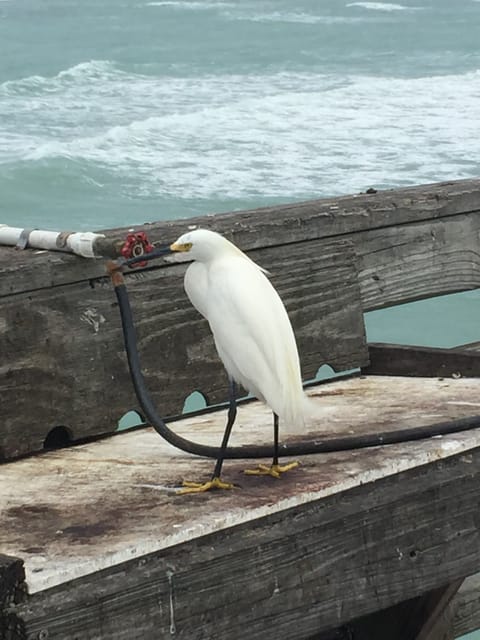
101 530
110 501
352 545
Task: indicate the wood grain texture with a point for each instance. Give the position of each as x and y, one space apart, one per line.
265 227
408 262
63 356
304 570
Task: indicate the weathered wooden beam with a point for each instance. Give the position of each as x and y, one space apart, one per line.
74 532
408 360
12 591
381 214
59 329
418 260
307 569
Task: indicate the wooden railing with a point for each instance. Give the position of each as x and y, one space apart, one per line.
62 355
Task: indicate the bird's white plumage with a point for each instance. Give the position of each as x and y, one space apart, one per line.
250 326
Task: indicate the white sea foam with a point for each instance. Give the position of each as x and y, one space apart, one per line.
244 136
381 6
301 18
90 71
197 6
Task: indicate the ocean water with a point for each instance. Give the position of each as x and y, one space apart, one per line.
117 112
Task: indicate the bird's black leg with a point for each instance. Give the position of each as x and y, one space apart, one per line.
216 482
232 414
275 469
275 440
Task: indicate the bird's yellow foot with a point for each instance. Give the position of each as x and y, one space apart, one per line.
275 470
201 487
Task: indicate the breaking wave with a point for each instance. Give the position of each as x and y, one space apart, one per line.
196 6
241 136
381 6
301 18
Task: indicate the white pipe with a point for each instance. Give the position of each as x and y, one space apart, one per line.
81 243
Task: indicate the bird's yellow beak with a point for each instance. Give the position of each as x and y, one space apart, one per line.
181 247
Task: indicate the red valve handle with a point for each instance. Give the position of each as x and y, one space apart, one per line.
136 244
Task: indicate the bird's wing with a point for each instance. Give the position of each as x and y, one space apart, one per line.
211 294
252 331
196 286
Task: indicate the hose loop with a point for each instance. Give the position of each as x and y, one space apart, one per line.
299 448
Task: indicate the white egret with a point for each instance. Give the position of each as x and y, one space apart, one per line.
252 334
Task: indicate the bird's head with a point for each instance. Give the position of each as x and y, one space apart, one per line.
202 245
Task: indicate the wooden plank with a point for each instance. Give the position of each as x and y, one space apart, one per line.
75 511
56 334
266 227
64 364
410 262
13 590
408 360
304 570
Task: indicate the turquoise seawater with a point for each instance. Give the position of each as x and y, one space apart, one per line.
117 112
121 111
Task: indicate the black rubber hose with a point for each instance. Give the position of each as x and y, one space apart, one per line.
157 252
344 443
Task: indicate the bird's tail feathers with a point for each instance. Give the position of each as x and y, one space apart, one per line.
297 416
